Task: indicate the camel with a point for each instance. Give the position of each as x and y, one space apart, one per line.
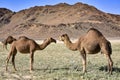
90 43
25 45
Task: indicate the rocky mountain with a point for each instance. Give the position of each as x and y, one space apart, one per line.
40 22
5 16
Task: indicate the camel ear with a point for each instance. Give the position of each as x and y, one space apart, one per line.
53 40
64 35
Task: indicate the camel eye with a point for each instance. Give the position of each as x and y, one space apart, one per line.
64 35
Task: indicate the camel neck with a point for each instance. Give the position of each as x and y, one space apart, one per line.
44 45
70 45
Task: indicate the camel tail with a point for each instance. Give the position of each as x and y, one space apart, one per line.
109 48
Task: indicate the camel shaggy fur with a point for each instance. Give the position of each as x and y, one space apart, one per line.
90 43
25 45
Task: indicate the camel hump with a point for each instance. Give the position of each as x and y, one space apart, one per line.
95 31
23 37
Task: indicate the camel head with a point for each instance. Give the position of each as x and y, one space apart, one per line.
9 40
50 40
64 37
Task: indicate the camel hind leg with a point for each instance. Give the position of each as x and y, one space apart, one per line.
106 49
13 59
11 53
110 64
7 60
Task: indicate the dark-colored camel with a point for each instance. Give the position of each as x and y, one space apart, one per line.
90 43
25 45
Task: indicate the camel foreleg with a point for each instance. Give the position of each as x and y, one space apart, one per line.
83 55
13 60
31 61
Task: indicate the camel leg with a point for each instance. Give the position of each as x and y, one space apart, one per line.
13 60
110 64
107 53
83 55
7 60
31 61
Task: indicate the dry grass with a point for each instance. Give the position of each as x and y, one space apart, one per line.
56 62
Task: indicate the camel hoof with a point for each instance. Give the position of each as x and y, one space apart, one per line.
84 72
109 73
6 69
15 70
31 71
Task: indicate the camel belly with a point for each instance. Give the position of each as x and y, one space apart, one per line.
92 49
26 51
23 49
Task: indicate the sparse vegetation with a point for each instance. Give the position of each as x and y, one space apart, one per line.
56 62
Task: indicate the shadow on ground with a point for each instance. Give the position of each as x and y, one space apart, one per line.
104 68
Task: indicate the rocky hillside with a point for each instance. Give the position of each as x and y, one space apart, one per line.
5 16
40 22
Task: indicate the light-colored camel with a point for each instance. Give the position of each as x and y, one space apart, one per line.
90 43
26 45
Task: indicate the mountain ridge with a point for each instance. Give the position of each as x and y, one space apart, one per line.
40 22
